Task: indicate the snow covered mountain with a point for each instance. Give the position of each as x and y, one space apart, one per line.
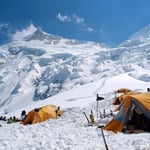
36 65
37 69
141 37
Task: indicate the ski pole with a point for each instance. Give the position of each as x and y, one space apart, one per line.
86 117
103 136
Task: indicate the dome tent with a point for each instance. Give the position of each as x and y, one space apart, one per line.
42 114
126 115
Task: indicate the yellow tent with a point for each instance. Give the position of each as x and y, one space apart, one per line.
41 114
125 116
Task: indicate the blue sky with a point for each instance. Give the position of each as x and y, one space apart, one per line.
104 21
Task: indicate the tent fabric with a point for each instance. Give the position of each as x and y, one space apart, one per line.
119 99
123 96
141 101
42 114
123 90
115 125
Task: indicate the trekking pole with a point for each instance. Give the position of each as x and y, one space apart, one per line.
86 117
101 127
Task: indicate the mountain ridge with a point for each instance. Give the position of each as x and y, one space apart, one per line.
44 65
140 37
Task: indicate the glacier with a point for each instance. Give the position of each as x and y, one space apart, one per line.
39 65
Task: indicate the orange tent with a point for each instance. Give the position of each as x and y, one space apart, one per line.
121 120
121 90
122 97
119 99
42 114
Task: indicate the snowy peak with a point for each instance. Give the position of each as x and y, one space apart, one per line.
40 35
139 38
37 35
34 34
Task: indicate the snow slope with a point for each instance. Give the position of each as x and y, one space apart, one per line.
71 131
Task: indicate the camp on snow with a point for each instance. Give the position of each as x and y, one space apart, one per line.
133 113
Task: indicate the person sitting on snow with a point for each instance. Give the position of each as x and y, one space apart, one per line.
23 115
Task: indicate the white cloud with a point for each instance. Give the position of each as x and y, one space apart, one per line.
64 18
81 21
75 19
78 20
19 35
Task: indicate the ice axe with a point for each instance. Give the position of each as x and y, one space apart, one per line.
98 99
101 127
